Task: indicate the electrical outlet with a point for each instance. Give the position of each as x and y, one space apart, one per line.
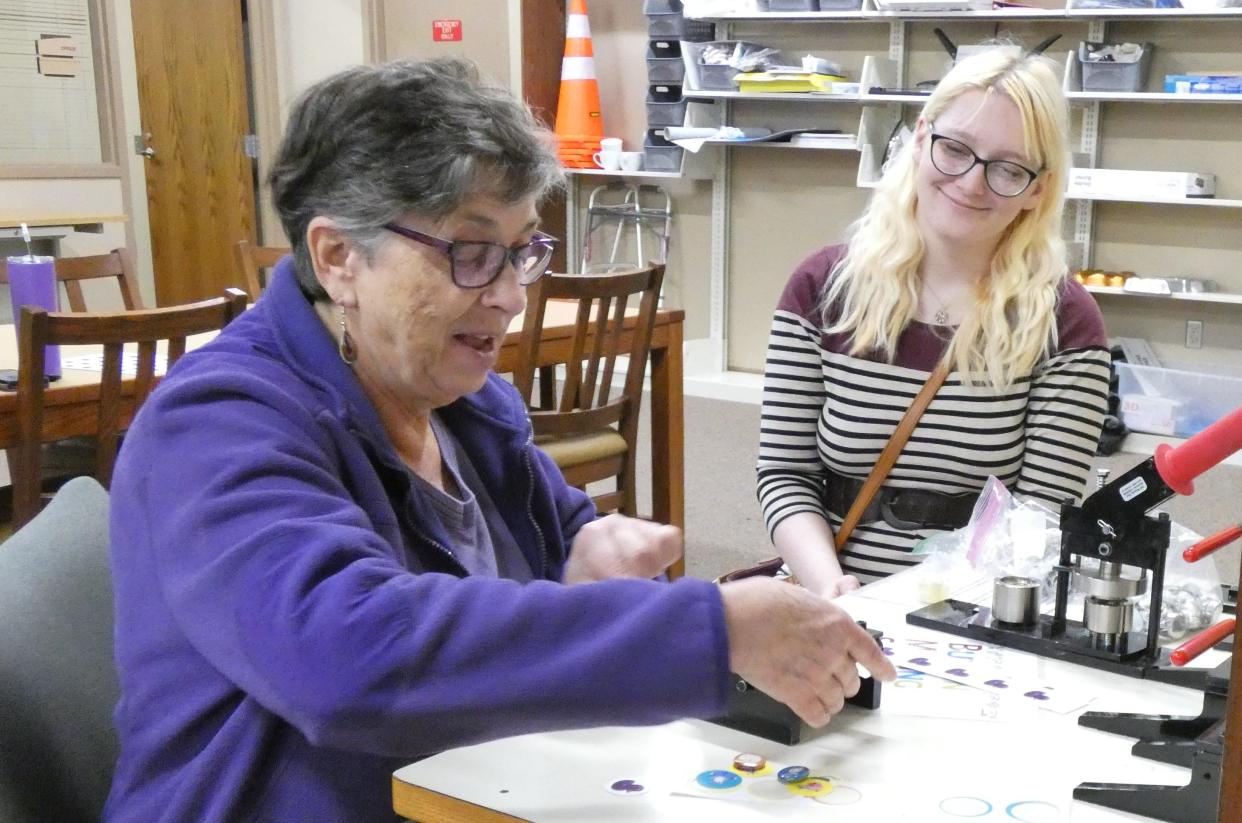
1194 334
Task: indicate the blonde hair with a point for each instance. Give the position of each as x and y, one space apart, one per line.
874 290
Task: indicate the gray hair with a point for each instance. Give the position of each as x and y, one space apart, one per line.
372 143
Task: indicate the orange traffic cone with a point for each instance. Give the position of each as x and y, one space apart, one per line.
579 126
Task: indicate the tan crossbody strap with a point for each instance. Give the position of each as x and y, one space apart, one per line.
891 452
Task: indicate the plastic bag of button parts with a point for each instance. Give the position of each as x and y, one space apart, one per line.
1005 536
1192 593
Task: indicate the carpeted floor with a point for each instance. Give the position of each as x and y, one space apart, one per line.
724 530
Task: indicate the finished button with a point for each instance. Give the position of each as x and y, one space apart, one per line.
793 774
749 762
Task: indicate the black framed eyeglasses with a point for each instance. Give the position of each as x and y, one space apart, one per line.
475 265
955 158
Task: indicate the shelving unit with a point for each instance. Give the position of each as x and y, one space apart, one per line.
879 113
1189 297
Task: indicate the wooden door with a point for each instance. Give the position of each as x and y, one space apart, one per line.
195 114
543 44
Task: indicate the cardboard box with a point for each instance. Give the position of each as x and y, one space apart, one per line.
1169 185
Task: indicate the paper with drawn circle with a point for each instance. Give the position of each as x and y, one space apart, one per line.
840 796
768 790
1034 811
965 806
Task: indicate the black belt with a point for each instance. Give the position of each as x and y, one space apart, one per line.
905 509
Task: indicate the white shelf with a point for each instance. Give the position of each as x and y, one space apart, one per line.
1217 202
1168 14
982 14
870 14
1150 97
1192 297
801 96
602 173
759 144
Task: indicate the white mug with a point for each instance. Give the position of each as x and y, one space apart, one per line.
631 161
607 160
607 144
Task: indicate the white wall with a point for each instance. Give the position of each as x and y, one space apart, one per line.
98 195
314 39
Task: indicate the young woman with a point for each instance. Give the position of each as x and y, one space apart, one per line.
958 256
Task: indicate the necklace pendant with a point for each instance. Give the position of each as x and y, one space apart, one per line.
942 317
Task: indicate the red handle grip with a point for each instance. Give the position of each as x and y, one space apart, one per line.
1210 544
1201 642
1179 465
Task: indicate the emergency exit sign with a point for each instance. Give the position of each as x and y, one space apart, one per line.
445 30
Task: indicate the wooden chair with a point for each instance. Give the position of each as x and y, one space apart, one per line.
118 399
253 263
71 271
591 434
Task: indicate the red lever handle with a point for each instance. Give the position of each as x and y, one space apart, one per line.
1179 465
1210 544
1201 642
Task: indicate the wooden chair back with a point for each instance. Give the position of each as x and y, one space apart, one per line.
71 271
253 263
602 333
119 399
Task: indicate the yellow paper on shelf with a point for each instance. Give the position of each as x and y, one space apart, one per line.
772 82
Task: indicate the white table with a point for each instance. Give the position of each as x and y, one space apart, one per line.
899 767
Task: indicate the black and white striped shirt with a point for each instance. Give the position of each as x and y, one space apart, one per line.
825 408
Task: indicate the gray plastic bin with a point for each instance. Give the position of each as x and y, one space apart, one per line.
662 7
665 106
789 5
664 63
659 154
1114 76
676 27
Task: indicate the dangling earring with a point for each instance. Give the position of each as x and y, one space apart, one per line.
346 347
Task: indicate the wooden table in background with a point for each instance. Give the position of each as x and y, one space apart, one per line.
71 400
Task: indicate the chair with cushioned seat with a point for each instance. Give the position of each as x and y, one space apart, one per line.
590 431
58 682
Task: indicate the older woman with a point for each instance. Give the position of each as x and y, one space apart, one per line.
335 547
958 257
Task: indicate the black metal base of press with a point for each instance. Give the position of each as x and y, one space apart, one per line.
1073 645
1196 743
754 712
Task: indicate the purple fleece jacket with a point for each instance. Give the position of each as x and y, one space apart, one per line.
291 623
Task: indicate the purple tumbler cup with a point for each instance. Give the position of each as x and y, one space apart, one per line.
32 281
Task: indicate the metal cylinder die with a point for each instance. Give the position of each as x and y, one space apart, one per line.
1015 600
1108 616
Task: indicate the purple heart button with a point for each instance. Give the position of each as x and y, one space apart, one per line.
958 672
920 661
999 684
1037 695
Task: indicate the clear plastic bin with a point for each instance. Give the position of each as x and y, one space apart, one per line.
1180 399
665 106
1107 76
664 63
